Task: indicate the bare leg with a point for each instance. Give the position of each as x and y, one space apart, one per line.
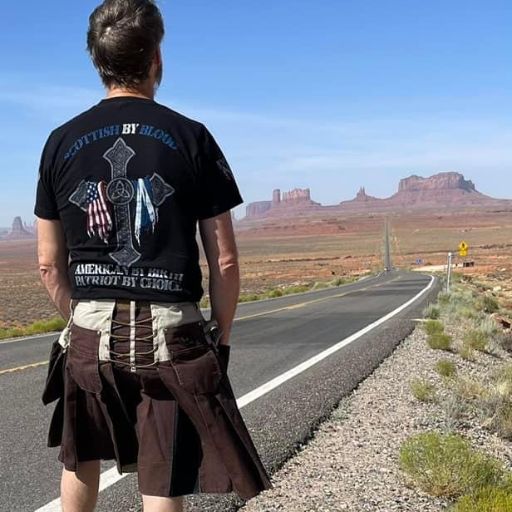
79 491
157 504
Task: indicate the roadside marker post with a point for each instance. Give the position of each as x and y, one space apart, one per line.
449 272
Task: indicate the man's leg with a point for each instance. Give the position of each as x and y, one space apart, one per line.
157 504
79 491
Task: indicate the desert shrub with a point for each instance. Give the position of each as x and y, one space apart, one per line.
423 390
340 281
443 298
299 288
276 292
249 297
496 404
504 374
320 285
504 340
439 341
469 389
433 327
466 352
489 499
489 304
432 312
502 421
476 339
446 465
455 408
446 368
488 326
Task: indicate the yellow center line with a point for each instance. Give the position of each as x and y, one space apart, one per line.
25 367
298 305
302 304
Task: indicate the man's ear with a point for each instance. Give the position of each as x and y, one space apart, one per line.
158 57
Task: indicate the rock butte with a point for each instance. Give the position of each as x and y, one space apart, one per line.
19 231
447 190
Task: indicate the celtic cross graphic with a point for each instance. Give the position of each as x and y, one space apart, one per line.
150 192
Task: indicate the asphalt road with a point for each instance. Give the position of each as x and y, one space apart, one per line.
269 339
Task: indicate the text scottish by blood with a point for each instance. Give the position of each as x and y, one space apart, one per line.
117 130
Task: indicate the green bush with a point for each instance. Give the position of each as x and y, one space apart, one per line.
477 340
490 499
443 298
439 341
446 368
433 327
249 297
490 304
504 339
446 465
432 312
488 326
466 352
423 390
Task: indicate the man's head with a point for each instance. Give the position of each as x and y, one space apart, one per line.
124 42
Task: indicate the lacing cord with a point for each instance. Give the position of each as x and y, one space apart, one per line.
116 324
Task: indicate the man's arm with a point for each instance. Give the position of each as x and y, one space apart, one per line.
221 252
53 263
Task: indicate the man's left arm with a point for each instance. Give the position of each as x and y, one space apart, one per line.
53 263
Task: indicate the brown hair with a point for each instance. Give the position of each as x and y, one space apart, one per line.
122 40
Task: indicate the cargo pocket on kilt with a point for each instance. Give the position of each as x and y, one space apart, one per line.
54 390
197 369
193 361
82 359
54 385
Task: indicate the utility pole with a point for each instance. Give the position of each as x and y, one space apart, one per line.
387 250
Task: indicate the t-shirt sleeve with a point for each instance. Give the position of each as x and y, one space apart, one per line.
46 203
217 189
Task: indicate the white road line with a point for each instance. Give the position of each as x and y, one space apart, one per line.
28 338
111 476
280 379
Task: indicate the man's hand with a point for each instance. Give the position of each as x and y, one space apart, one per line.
222 255
53 263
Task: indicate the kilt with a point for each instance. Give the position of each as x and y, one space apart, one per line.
146 384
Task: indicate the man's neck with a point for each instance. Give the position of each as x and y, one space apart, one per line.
142 92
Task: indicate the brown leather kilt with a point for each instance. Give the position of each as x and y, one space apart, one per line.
146 385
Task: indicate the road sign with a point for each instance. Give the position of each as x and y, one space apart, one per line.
463 249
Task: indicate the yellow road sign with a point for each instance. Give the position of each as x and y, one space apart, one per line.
463 249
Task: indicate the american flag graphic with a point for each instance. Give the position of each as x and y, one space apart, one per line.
99 220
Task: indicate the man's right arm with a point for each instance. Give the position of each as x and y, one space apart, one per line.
53 263
221 252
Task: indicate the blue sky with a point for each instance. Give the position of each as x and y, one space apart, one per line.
326 94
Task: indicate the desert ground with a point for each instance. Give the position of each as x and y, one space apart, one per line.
305 250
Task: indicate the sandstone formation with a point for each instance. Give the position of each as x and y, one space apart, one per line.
448 188
18 231
297 200
443 190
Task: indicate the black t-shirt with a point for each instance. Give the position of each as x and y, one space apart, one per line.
129 179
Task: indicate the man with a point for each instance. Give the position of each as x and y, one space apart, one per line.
139 375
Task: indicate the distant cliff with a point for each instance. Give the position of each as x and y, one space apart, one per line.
445 190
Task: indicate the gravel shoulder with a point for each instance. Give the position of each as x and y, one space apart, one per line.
351 463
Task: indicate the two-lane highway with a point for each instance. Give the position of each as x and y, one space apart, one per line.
293 358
